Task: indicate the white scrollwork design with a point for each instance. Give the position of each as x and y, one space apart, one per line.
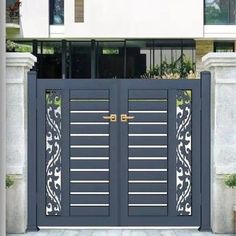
183 153
53 152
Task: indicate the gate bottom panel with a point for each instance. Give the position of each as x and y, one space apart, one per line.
53 221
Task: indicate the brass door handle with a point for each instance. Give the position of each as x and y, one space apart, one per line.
125 118
111 118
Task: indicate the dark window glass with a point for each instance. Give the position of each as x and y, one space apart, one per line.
110 60
50 60
13 11
56 12
220 12
226 46
139 58
80 60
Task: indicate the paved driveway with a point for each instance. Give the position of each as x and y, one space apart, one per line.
127 232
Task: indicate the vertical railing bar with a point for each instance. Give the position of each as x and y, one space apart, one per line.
93 59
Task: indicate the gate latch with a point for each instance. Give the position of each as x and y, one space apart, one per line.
125 118
111 118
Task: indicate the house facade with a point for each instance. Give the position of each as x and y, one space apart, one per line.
107 39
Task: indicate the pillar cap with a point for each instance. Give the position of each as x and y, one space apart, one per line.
219 59
20 59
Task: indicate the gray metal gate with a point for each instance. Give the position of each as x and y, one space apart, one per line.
119 152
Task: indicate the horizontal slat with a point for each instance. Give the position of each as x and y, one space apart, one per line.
89 129
89 175
144 164
100 164
147 94
89 187
89 140
148 140
88 181
149 117
89 211
148 105
148 152
89 94
147 129
148 187
89 205
83 152
88 117
147 170
86 170
90 112
86 199
148 158
139 199
89 193
88 158
89 105
147 205
147 135
147 193
144 123
89 135
147 175
89 146
148 211
148 146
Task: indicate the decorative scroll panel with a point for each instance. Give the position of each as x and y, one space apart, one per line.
53 152
184 152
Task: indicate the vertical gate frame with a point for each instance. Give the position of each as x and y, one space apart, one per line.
32 151
205 151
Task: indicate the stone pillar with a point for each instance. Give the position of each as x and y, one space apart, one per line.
17 66
2 120
223 137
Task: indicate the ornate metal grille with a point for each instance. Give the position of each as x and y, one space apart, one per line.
53 152
183 152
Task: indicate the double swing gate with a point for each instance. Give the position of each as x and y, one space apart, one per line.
115 152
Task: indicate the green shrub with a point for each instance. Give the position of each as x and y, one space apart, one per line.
230 180
9 181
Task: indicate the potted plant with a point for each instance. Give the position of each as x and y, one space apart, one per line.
11 46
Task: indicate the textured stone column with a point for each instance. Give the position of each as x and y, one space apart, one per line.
17 66
223 137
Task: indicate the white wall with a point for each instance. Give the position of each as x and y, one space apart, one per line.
34 19
118 19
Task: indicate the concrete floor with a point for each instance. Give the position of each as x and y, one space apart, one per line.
126 232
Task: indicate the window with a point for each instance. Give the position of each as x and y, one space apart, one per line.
80 60
79 10
220 12
224 46
56 12
110 60
157 58
50 60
